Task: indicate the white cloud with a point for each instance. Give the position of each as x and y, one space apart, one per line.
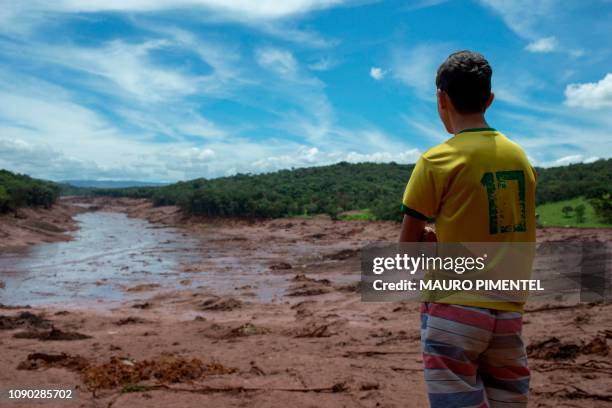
277 60
242 9
573 158
590 95
377 73
543 45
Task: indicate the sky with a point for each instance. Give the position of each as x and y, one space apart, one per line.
166 90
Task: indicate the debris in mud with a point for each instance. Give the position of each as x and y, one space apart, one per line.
368 386
351 287
9 307
248 329
301 309
23 320
307 290
343 254
220 304
598 346
280 266
130 320
255 369
301 277
582 319
143 287
35 361
554 349
164 369
145 305
315 331
51 335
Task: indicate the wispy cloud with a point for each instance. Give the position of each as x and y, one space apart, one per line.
277 60
417 66
265 9
522 16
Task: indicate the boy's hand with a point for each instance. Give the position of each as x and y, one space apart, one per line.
429 235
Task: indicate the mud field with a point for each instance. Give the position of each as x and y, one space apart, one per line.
241 314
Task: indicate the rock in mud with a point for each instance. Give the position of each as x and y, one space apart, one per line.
248 329
35 361
307 290
51 335
23 320
130 320
301 277
280 266
555 349
220 304
343 254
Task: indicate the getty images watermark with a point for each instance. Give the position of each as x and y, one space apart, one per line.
486 272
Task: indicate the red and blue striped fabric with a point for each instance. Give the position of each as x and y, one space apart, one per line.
473 357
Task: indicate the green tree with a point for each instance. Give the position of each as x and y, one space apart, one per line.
603 207
579 211
567 210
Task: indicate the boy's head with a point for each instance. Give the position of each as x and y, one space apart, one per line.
464 86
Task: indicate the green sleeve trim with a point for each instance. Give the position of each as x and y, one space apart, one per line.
478 130
413 213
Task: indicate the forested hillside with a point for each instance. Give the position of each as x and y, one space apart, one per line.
341 187
18 190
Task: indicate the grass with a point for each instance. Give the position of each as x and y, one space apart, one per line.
551 215
357 215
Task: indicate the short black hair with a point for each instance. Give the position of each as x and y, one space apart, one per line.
466 77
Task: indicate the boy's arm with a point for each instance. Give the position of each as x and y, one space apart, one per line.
420 203
415 230
412 229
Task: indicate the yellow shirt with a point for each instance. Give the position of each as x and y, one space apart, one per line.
479 187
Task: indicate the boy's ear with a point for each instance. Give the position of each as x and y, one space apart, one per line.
490 101
442 100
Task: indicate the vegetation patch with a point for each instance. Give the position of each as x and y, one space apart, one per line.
576 212
19 190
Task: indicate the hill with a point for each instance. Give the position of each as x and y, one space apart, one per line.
111 183
342 187
19 190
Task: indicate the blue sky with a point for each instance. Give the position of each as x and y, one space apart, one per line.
165 90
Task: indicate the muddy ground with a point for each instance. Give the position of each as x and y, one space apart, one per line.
314 345
29 226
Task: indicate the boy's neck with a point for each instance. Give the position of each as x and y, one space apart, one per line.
463 122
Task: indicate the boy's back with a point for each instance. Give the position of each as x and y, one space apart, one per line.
479 187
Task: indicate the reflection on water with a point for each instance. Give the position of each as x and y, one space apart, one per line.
109 253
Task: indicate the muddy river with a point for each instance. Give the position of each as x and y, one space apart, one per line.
110 253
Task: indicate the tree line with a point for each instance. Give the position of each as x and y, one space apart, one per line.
20 190
341 187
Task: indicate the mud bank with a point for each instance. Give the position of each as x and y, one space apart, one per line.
270 316
29 226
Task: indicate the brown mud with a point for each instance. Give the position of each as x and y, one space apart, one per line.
295 334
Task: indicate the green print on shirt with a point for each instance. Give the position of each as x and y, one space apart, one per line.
496 183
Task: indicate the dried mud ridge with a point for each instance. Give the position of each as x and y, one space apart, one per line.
118 374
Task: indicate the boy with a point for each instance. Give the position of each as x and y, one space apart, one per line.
479 187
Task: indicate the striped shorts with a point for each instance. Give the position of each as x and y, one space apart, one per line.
473 357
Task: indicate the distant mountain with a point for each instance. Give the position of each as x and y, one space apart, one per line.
111 183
